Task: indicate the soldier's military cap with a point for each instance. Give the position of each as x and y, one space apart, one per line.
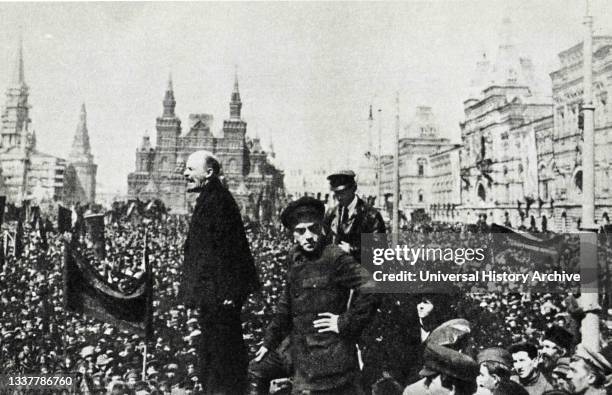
451 333
304 206
443 360
559 336
562 367
594 359
341 179
495 354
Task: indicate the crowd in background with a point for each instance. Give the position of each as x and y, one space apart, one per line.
38 336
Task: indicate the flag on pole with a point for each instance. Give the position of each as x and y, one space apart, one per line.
18 242
64 219
86 292
42 232
94 224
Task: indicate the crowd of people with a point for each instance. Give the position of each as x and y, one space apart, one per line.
37 335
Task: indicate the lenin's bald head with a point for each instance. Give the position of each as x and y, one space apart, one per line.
200 167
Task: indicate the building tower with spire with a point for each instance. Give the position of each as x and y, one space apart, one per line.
82 163
27 173
255 182
16 118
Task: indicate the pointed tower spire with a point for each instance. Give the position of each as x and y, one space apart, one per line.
169 102
81 150
235 103
18 71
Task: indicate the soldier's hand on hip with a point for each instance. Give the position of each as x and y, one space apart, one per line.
260 353
328 323
228 302
344 246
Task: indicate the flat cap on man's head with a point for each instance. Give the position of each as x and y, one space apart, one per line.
560 336
495 354
305 206
341 180
596 360
451 334
443 360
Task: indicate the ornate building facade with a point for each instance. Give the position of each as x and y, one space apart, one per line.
499 158
428 167
255 182
560 165
28 173
523 152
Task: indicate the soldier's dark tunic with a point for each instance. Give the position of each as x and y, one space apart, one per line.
317 284
218 266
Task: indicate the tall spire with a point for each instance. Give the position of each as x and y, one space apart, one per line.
235 103
18 71
169 102
81 150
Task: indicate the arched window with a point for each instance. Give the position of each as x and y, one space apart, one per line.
163 163
578 180
482 193
421 198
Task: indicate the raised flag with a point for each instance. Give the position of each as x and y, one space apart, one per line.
18 241
546 245
94 224
64 219
87 292
42 232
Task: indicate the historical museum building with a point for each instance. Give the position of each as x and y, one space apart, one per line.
247 169
521 155
28 173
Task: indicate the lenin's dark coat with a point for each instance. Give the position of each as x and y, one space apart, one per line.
218 262
218 266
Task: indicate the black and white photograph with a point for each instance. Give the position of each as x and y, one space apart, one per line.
306 198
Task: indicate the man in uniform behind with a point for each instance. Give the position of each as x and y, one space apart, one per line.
313 309
351 216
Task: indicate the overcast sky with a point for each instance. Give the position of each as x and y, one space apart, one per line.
307 71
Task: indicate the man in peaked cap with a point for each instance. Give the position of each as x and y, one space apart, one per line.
559 378
312 310
556 343
446 371
352 216
590 371
495 367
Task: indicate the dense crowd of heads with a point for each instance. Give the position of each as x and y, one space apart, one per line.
37 335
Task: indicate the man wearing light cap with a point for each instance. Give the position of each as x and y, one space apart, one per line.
446 371
590 372
495 369
312 310
351 216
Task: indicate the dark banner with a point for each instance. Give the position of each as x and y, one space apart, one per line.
86 292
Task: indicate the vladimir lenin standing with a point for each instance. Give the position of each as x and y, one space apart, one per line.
218 274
